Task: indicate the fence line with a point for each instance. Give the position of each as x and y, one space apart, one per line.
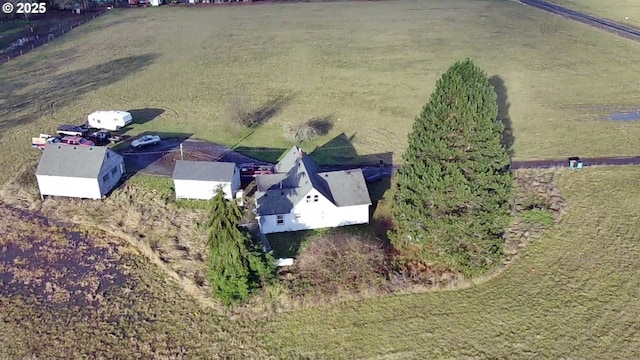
39 41
224 151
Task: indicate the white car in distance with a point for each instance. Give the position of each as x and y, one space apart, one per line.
145 140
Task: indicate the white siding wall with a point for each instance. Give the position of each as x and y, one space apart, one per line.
315 215
202 190
68 186
112 168
235 183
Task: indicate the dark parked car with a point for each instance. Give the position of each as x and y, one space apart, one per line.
103 137
251 170
73 130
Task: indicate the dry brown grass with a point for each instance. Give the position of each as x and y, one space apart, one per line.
73 293
339 263
168 235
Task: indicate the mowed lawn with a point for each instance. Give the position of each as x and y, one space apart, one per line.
575 294
368 66
625 11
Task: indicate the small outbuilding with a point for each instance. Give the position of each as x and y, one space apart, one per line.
88 172
202 179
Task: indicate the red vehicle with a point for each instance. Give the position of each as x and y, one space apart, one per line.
76 140
251 170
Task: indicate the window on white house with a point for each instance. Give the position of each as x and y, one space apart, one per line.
297 216
308 198
315 198
280 220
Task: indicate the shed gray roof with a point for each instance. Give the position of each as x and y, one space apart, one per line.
203 171
297 175
73 161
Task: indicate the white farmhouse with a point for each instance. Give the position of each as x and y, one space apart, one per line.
298 197
88 172
202 179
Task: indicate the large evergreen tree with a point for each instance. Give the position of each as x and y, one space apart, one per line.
236 265
451 201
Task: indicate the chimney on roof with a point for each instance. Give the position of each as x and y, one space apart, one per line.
280 184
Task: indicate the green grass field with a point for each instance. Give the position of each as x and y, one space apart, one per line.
625 11
573 294
369 66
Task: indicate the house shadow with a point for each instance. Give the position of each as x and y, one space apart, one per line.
142 116
288 244
340 151
507 139
261 155
154 159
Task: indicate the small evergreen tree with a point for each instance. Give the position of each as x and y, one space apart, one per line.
451 201
237 266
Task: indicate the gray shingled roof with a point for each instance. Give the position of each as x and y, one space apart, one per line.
73 161
347 187
290 160
297 175
274 202
203 171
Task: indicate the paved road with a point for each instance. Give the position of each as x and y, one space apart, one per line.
160 159
607 25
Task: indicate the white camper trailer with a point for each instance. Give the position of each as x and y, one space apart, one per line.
109 120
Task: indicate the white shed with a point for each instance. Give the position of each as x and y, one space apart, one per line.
202 179
112 120
88 172
155 2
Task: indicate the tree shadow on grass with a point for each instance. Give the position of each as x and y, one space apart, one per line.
55 91
141 116
270 108
507 139
340 151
